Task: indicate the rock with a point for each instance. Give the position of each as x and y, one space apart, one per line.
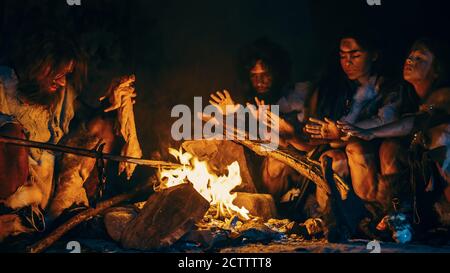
260 205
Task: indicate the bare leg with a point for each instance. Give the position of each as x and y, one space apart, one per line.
394 178
275 177
363 164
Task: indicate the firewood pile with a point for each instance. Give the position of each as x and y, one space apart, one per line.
179 217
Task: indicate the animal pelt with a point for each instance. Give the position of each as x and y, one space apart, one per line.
73 172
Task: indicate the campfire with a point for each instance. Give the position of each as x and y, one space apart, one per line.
196 202
193 205
215 189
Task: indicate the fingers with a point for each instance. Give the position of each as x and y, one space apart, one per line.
329 120
221 96
124 91
313 127
346 128
312 131
102 98
253 110
214 103
353 133
208 118
259 102
227 94
313 120
215 98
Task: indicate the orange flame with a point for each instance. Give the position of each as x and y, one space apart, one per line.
215 189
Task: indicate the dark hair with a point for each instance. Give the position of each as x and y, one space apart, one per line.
369 41
441 61
41 52
273 55
335 90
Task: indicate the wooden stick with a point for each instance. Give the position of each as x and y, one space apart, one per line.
87 153
84 216
304 166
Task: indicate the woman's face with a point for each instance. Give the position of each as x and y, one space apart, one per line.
418 67
261 77
355 61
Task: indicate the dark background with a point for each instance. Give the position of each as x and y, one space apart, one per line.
181 48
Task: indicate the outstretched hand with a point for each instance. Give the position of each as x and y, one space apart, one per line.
223 101
351 130
326 129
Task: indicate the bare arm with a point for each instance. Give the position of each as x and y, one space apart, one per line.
399 128
386 115
402 127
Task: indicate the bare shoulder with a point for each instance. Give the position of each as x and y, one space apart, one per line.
440 98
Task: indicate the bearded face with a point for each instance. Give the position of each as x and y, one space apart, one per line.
47 85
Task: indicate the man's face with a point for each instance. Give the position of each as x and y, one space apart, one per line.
261 77
419 67
54 81
355 61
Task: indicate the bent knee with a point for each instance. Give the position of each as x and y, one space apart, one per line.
355 148
364 192
339 162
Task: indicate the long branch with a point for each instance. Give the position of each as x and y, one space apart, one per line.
304 166
84 216
86 153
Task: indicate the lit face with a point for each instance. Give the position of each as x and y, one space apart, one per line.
355 61
51 82
418 67
260 77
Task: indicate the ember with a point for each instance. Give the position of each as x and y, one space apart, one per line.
215 189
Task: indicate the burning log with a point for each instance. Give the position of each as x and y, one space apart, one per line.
83 216
220 154
303 165
166 217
